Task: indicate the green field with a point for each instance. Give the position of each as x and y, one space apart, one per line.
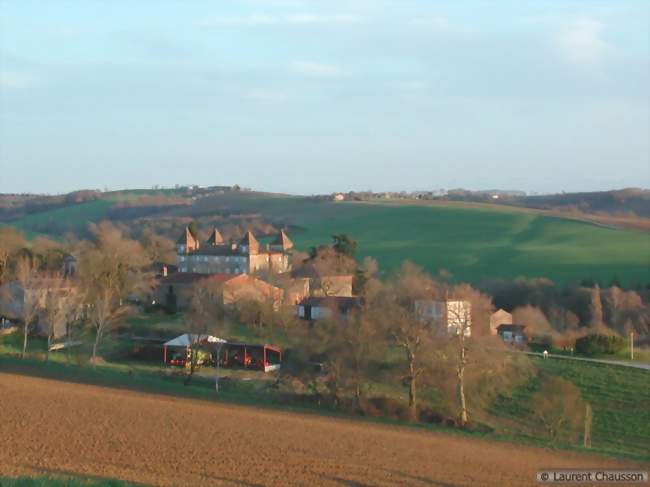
619 396
471 243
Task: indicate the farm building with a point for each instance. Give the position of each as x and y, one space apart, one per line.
321 284
455 314
500 317
175 291
264 357
319 307
512 334
261 357
176 351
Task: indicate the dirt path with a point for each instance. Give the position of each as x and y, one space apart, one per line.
57 427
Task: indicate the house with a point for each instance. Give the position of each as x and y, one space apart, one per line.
320 307
338 197
512 333
215 256
14 298
248 288
500 317
321 284
455 314
175 290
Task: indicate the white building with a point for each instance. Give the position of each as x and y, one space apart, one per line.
455 314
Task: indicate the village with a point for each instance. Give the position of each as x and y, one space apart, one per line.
247 279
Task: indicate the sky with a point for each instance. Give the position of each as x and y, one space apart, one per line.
304 96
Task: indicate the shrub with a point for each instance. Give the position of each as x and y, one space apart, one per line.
558 410
599 344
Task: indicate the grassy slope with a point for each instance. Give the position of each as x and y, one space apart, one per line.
620 398
471 242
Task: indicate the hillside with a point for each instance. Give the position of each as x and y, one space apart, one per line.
472 242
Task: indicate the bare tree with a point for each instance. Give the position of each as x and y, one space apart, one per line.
395 306
205 316
62 303
11 241
559 409
30 296
110 270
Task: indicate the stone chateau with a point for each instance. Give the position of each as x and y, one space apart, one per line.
215 256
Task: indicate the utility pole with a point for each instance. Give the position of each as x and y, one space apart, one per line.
631 345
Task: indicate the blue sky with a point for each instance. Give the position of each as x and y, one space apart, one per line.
312 97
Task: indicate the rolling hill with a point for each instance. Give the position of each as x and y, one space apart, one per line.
473 243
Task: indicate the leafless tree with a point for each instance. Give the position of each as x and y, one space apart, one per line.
205 316
395 306
62 304
559 409
11 241
110 270
31 299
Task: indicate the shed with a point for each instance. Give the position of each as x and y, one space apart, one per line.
185 341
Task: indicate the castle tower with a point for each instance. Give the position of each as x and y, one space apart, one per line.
215 238
187 242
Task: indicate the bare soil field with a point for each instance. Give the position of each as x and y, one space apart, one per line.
51 427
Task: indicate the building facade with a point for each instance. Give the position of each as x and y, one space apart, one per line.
215 256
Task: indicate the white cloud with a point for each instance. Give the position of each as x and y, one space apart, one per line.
267 20
310 68
582 44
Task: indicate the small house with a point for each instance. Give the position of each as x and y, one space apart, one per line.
500 317
512 334
320 307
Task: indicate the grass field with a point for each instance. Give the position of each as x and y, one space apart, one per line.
619 396
473 243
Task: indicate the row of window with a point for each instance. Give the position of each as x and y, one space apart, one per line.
236 270
213 258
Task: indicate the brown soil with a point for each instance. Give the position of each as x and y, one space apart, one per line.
51 427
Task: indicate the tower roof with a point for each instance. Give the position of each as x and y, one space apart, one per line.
215 238
251 242
187 238
283 240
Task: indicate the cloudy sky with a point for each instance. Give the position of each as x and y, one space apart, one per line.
314 96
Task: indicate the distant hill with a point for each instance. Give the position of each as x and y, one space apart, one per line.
624 202
472 241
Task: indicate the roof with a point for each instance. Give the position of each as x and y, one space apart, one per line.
254 345
519 328
501 312
283 240
186 237
250 241
191 277
311 272
215 238
187 339
343 303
